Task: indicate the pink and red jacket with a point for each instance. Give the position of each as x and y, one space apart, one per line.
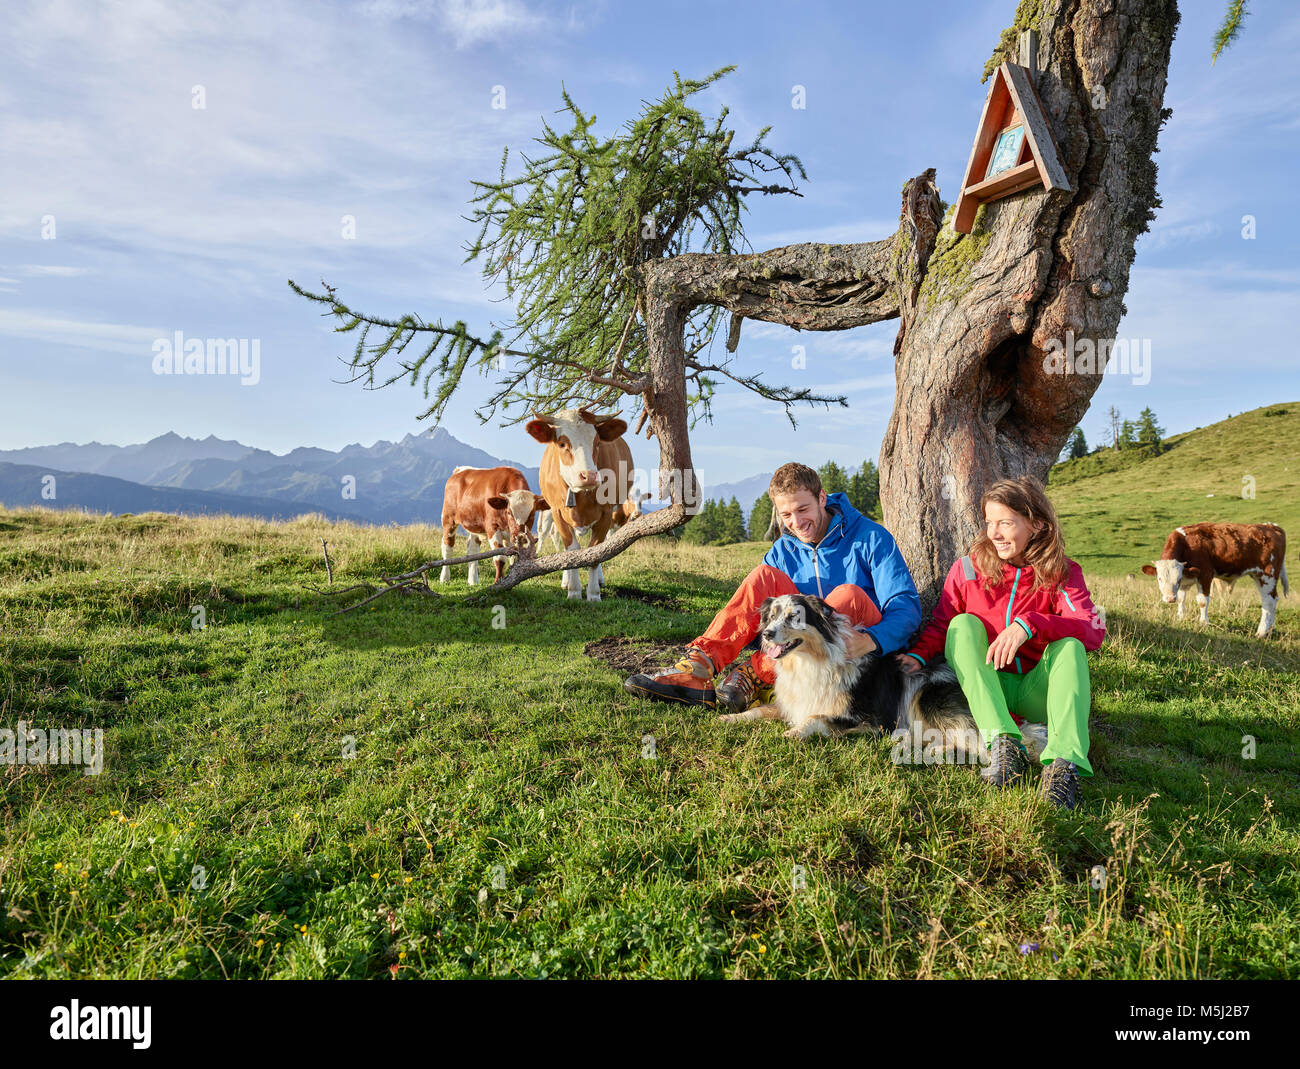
1047 614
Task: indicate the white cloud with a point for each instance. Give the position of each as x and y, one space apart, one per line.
108 337
52 271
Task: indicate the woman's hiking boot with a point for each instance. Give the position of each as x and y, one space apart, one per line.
690 681
1060 784
739 689
1008 761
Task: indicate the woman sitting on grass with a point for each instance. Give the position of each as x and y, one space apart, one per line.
1014 622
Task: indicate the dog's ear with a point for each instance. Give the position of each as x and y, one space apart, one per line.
821 606
763 609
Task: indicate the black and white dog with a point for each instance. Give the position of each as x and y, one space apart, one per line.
820 691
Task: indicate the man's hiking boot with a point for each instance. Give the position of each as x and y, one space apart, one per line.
1060 784
690 680
1008 762
739 689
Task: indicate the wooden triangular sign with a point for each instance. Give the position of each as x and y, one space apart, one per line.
1014 148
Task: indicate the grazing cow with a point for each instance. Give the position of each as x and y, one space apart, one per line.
586 472
490 503
1199 553
625 513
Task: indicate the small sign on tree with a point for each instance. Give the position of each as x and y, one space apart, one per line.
1014 148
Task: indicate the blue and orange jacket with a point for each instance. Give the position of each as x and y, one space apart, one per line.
859 551
1047 614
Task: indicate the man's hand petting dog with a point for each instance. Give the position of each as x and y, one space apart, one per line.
1002 650
859 644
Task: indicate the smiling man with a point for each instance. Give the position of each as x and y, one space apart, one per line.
830 550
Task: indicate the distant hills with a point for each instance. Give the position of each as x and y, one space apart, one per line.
395 482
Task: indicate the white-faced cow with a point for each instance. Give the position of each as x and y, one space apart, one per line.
1199 553
489 503
586 475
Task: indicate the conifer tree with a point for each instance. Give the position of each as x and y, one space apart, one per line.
759 517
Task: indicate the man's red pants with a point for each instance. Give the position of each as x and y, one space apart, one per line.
738 622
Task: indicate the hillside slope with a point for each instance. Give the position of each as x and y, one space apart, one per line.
1116 521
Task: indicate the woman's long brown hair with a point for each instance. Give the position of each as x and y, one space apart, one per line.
1045 552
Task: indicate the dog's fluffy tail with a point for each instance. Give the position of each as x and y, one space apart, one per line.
934 703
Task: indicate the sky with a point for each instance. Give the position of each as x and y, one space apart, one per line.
129 213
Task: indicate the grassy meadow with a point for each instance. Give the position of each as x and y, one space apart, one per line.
509 811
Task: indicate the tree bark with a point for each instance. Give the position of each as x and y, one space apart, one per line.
974 401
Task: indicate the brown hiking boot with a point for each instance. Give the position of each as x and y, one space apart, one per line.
739 688
690 680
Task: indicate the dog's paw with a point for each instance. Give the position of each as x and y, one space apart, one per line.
795 733
732 718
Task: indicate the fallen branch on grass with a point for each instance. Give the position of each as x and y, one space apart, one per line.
414 581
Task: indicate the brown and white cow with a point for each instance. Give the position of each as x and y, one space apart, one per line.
586 474
1199 553
625 513
491 503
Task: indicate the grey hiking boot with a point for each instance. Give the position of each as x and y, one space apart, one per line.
690 681
1060 784
739 688
1008 761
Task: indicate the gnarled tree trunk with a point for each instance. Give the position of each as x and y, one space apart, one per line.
973 402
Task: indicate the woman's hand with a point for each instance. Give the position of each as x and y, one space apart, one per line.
859 644
908 663
1002 650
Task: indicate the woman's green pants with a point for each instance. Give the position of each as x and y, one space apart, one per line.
1056 691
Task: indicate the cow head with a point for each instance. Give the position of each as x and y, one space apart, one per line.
1170 575
574 433
520 506
630 509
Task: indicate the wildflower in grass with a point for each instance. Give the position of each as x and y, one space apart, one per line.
84 874
408 879
261 941
58 865
113 812
1028 948
401 956
762 949
374 875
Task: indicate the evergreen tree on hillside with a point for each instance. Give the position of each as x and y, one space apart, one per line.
1149 432
835 480
864 490
1127 434
702 528
759 517
1077 446
731 526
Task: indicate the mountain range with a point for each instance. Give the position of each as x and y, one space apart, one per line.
395 482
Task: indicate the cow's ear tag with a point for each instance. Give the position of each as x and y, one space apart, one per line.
571 501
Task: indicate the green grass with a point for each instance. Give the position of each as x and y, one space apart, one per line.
1117 507
501 818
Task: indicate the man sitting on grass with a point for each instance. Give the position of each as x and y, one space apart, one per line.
830 550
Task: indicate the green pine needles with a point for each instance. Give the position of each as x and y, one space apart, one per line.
1230 28
566 237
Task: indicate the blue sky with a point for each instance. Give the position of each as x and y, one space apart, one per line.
167 217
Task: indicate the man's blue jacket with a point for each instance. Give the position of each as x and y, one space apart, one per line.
854 550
